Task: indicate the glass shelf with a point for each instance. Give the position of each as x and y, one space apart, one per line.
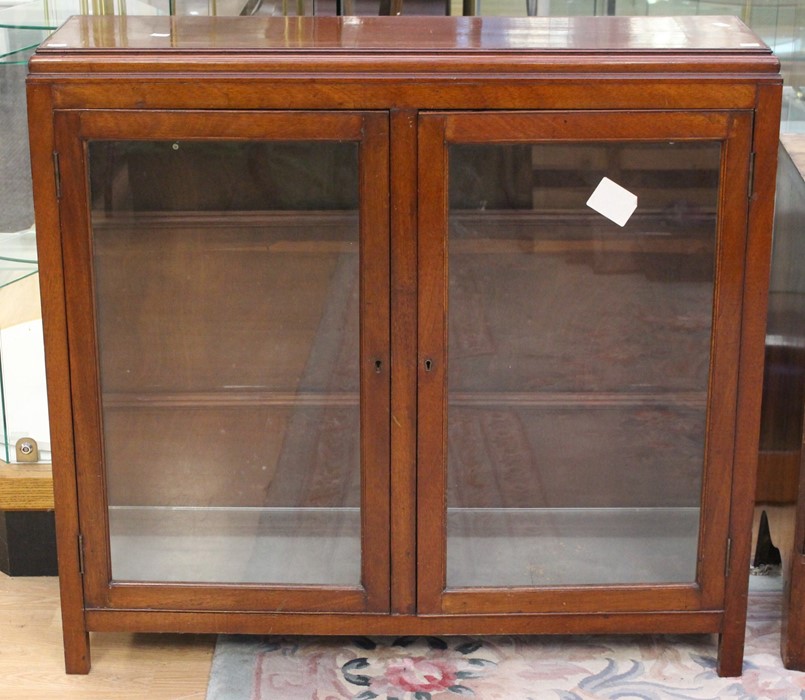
25 24
50 14
17 256
16 45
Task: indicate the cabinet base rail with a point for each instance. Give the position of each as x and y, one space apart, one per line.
671 622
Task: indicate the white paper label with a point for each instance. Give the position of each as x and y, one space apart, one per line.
613 201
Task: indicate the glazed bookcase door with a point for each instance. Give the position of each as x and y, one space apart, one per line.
228 274
577 367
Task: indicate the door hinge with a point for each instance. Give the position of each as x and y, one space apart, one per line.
81 554
752 174
57 174
727 558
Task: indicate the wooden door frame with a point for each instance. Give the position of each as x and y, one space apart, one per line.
437 131
370 129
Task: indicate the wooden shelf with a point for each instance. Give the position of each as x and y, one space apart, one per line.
26 487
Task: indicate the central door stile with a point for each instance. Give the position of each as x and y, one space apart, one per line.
431 364
402 507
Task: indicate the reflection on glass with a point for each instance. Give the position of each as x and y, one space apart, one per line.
226 278
578 363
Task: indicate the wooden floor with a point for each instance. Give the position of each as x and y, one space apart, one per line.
124 666
128 666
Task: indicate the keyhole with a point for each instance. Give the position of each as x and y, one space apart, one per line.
428 365
378 366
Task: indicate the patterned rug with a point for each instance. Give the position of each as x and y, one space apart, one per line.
644 667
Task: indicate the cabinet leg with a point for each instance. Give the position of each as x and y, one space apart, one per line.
76 652
792 636
730 654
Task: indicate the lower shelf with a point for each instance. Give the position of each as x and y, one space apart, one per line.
571 546
487 547
304 546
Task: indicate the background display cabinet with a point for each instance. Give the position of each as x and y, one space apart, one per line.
404 326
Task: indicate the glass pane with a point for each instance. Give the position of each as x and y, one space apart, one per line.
578 361
226 277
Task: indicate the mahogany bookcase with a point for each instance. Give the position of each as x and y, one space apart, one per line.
404 325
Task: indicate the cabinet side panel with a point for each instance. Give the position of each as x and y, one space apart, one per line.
54 321
750 376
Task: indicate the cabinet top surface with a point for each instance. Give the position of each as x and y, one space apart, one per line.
384 35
